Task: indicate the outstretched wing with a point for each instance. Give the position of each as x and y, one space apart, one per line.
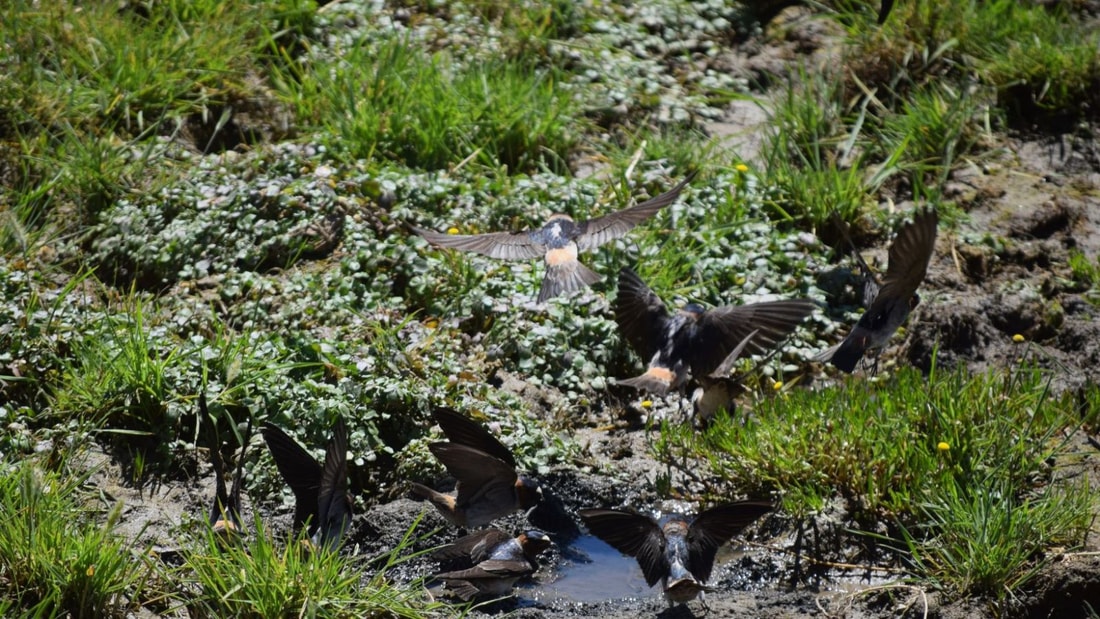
909 256
596 232
722 329
465 431
716 526
333 509
299 470
501 245
631 534
641 315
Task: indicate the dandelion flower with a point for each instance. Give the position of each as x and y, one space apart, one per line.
452 230
777 385
943 446
647 403
1017 338
741 167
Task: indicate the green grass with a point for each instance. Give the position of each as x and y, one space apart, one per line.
813 131
207 282
1037 61
935 127
88 87
952 459
119 375
131 69
983 539
263 577
392 101
57 557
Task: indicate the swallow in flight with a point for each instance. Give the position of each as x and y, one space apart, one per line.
558 241
499 560
695 341
488 486
893 298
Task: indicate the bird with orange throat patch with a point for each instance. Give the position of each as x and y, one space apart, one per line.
488 486
558 241
695 341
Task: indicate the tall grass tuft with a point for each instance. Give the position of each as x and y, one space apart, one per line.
56 558
393 101
265 577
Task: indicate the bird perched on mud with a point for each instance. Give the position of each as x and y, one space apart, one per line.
225 513
695 340
893 298
488 486
320 492
677 550
499 560
558 241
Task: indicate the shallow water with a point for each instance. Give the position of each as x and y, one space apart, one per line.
592 571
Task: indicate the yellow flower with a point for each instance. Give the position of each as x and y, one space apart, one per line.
777 385
1017 338
91 571
452 230
741 167
431 323
647 403
943 446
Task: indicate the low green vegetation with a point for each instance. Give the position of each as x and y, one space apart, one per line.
59 558
260 576
371 100
213 196
958 463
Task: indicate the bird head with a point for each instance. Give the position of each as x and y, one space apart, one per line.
693 310
534 543
528 492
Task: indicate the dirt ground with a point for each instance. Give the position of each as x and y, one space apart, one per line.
1038 193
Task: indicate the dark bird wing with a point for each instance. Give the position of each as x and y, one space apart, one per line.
486 487
723 369
491 569
465 431
641 315
721 329
299 470
502 245
235 493
884 11
596 232
476 546
716 526
634 535
333 510
909 256
866 274
223 506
